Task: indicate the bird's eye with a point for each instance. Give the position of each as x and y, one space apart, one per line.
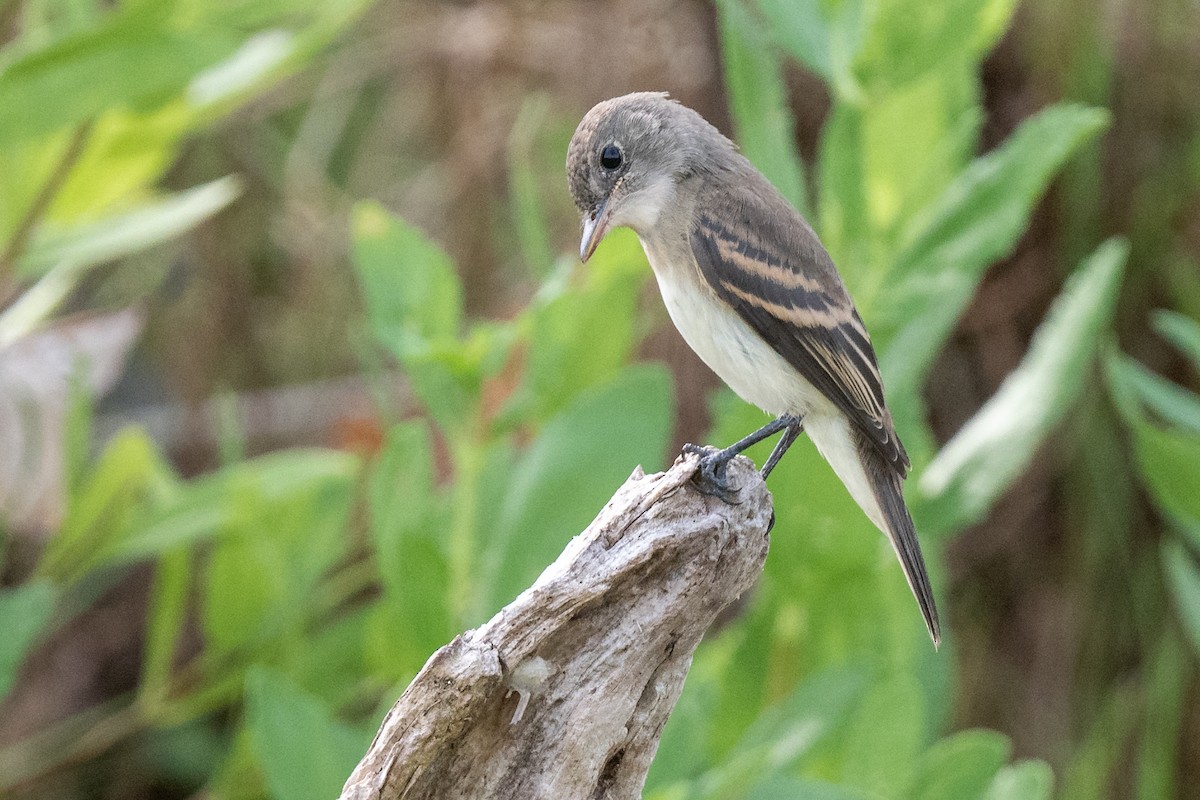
611 157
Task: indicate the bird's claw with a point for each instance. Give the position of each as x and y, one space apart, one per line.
711 476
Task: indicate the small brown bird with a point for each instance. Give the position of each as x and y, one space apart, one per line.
752 290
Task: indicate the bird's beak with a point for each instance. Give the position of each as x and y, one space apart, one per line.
595 225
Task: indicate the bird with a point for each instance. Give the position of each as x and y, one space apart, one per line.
748 284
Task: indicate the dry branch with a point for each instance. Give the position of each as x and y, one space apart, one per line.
565 692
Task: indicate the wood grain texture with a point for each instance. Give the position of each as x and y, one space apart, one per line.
601 644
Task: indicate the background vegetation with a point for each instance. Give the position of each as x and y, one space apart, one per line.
367 368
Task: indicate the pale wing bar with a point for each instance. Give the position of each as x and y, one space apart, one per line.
819 334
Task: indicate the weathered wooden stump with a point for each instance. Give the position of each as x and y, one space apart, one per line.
565 692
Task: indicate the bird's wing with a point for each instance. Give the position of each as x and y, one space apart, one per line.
778 277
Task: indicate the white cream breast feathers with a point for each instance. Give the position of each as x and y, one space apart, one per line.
724 341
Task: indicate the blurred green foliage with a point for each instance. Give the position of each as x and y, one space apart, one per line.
912 221
1164 422
94 105
318 582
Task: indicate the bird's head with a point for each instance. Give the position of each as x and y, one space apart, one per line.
628 158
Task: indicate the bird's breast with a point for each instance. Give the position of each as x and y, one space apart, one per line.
723 340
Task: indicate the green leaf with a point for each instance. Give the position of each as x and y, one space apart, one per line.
910 40
1183 577
271 554
132 59
845 221
580 336
960 767
408 532
425 604
245 69
1182 331
825 37
452 401
400 497
885 736
1170 401
128 84
24 612
60 261
304 752
196 511
741 691
758 102
572 468
125 154
800 28
330 660
414 307
413 296
1169 465
476 540
128 232
1190 531
245 585
785 733
882 162
916 141
1025 780
976 221
188 754
99 514
167 612
1165 686
781 787
992 448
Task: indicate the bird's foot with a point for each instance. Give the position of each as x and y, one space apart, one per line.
712 476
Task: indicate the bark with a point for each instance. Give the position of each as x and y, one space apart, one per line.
564 693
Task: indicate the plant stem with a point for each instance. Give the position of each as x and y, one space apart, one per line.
43 199
467 453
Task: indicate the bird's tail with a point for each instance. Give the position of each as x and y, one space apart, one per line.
898 526
876 486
